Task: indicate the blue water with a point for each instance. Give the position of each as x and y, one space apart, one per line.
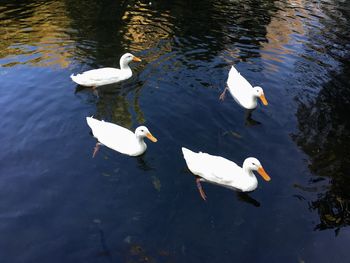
57 204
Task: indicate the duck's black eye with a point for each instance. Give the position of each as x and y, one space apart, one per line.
253 163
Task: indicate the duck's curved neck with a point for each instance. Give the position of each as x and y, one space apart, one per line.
140 140
140 145
124 65
254 96
254 100
248 171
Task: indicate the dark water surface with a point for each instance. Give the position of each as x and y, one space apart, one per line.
57 204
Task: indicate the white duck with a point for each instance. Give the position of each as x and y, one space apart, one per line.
118 138
103 76
218 170
242 91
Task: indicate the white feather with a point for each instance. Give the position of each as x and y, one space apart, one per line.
105 76
242 91
117 138
221 171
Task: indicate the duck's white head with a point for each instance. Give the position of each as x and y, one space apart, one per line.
127 58
259 92
253 164
142 132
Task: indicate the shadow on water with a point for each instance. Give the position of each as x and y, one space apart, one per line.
143 163
249 121
245 197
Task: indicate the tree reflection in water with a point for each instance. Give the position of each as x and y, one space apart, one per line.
324 126
324 135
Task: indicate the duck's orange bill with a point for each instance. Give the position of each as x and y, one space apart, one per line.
151 137
263 99
136 59
263 174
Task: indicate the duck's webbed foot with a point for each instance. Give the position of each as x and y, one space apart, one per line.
200 188
96 148
223 94
95 91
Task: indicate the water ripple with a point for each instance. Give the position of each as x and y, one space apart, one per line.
52 192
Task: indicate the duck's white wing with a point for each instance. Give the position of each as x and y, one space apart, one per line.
96 77
210 167
241 90
111 135
237 81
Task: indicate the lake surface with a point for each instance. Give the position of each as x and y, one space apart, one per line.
57 204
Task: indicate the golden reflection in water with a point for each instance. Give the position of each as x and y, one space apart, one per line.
36 35
139 114
116 108
144 29
284 23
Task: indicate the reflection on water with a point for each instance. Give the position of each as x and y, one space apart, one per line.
324 128
287 22
35 34
145 27
113 106
324 136
51 190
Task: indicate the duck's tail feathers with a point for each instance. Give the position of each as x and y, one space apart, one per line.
92 122
233 71
77 79
185 151
232 76
188 154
